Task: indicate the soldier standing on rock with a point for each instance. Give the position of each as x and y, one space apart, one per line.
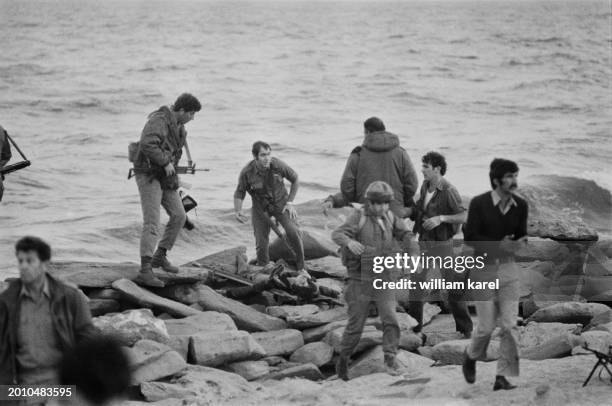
497 228
263 178
369 232
155 158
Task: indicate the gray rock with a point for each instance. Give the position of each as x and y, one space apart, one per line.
554 347
598 340
318 353
451 352
250 370
203 322
570 312
306 371
133 325
370 337
535 334
372 361
98 307
291 311
151 361
221 347
279 342
316 319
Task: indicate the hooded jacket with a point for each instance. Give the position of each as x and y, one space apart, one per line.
161 142
70 316
380 157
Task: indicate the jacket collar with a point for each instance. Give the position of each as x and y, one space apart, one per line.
10 296
442 184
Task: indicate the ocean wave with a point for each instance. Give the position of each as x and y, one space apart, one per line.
558 108
563 83
414 98
25 69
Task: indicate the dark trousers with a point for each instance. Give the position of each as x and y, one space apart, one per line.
358 302
261 228
458 307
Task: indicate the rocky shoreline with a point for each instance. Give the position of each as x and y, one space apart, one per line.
190 345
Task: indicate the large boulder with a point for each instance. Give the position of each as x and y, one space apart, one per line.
279 342
250 370
370 337
245 317
202 322
598 340
203 386
318 353
555 347
540 249
150 361
98 307
306 371
535 334
143 297
372 361
133 325
570 312
452 352
316 245
222 347
316 319
292 311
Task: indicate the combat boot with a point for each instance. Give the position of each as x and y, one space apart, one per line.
146 277
161 261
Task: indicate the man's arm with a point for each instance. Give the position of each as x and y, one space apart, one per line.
348 183
288 173
239 195
410 181
348 230
83 325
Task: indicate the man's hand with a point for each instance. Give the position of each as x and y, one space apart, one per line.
355 247
328 204
241 217
169 169
290 210
511 246
432 223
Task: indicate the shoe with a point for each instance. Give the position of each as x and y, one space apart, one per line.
391 366
469 368
161 261
502 383
146 277
342 368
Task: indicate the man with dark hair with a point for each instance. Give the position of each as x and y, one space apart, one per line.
100 370
263 178
437 216
5 156
380 157
40 317
155 158
497 228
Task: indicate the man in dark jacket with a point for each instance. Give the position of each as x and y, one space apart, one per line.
159 151
380 157
263 178
40 319
497 228
5 156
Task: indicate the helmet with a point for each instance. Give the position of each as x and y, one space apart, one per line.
379 192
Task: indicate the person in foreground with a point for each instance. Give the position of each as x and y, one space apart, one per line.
40 318
437 216
263 178
497 227
371 231
157 154
380 157
100 370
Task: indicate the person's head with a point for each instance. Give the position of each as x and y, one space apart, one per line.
434 165
98 367
262 152
373 124
378 196
185 107
32 254
503 175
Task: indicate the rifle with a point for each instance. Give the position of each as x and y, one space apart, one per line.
190 168
16 166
